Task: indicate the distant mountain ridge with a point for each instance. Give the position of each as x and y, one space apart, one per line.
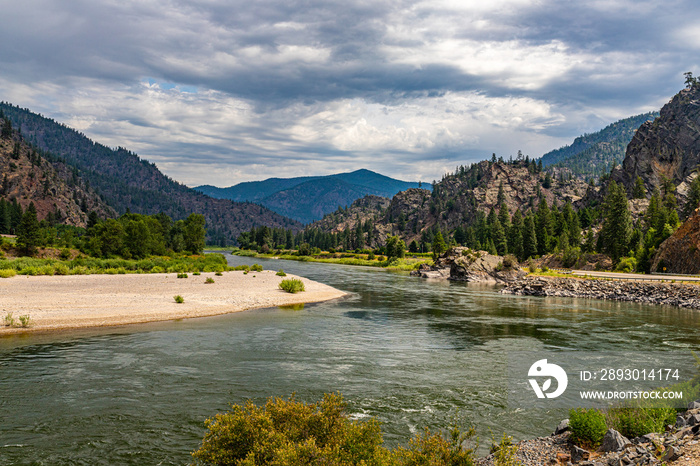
126 182
309 198
592 155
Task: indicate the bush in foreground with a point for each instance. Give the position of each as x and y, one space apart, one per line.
587 427
290 433
292 285
179 299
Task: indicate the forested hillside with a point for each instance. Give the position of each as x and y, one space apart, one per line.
128 183
28 175
593 155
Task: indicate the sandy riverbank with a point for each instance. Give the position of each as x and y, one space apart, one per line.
80 301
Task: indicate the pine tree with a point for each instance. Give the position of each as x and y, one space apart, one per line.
439 246
498 236
501 194
543 227
529 238
28 234
693 197
640 191
515 235
617 222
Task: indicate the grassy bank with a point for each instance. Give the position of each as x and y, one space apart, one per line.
90 265
404 264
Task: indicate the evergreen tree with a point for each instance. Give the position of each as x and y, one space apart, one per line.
501 194
543 226
515 235
504 215
498 236
547 183
439 246
194 234
693 197
6 129
28 234
640 191
529 238
617 222
413 247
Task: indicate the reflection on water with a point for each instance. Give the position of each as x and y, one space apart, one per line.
414 353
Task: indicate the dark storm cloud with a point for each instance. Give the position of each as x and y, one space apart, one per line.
385 84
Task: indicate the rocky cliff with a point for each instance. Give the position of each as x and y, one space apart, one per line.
458 197
28 176
680 253
667 148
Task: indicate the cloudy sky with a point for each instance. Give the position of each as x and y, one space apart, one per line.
224 91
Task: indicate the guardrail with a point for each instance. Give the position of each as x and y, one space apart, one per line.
677 274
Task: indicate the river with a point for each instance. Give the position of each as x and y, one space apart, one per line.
411 352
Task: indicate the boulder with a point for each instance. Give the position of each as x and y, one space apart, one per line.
562 427
613 441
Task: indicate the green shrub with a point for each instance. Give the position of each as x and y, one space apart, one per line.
179 299
587 427
9 320
531 266
371 256
121 270
46 270
64 254
61 269
256 268
158 269
545 268
504 452
24 321
79 270
510 262
288 433
292 285
626 265
281 273
30 271
182 275
7 273
637 421
209 280
218 274
111 271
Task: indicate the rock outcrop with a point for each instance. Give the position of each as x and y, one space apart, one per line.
667 148
680 253
464 264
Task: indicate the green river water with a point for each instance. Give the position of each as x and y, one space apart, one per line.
411 352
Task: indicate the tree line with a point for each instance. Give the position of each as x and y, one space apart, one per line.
129 236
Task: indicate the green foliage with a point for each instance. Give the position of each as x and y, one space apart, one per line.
256 268
587 427
7 273
209 280
292 285
395 248
287 433
218 274
504 452
640 191
24 321
617 222
179 299
439 246
291 433
280 273
182 275
632 421
9 320
64 254
28 233
626 265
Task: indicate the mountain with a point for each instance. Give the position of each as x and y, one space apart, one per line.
667 149
309 198
592 155
458 200
127 182
55 189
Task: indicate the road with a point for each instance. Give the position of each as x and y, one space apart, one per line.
636 276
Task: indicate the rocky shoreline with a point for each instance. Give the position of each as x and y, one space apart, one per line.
679 445
671 294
